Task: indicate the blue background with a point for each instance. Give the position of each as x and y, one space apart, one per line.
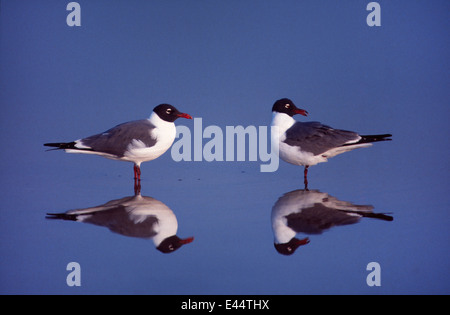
225 62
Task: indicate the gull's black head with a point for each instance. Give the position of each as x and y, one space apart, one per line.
286 106
169 113
290 247
172 243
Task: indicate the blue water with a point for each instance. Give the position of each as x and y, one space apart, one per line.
225 63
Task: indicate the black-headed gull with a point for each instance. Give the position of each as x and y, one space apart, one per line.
136 216
312 212
135 141
309 143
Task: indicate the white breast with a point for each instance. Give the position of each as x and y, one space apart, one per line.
164 133
288 153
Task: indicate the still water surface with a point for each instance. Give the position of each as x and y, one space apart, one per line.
211 234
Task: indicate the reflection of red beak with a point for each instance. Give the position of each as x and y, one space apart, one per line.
301 112
186 240
302 242
183 115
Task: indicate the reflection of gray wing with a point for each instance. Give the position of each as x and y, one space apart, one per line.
130 216
116 140
317 218
118 221
317 138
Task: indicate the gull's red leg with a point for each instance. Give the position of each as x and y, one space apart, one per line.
137 187
137 180
306 177
137 172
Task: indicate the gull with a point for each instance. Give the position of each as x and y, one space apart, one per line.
136 216
135 141
312 212
310 143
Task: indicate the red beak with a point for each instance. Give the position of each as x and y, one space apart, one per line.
187 240
183 115
303 241
301 112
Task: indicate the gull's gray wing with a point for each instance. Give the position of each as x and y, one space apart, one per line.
116 140
317 138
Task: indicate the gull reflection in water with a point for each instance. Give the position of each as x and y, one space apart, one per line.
312 212
136 216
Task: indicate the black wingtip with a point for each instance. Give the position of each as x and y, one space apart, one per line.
375 138
61 216
370 139
381 216
61 145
